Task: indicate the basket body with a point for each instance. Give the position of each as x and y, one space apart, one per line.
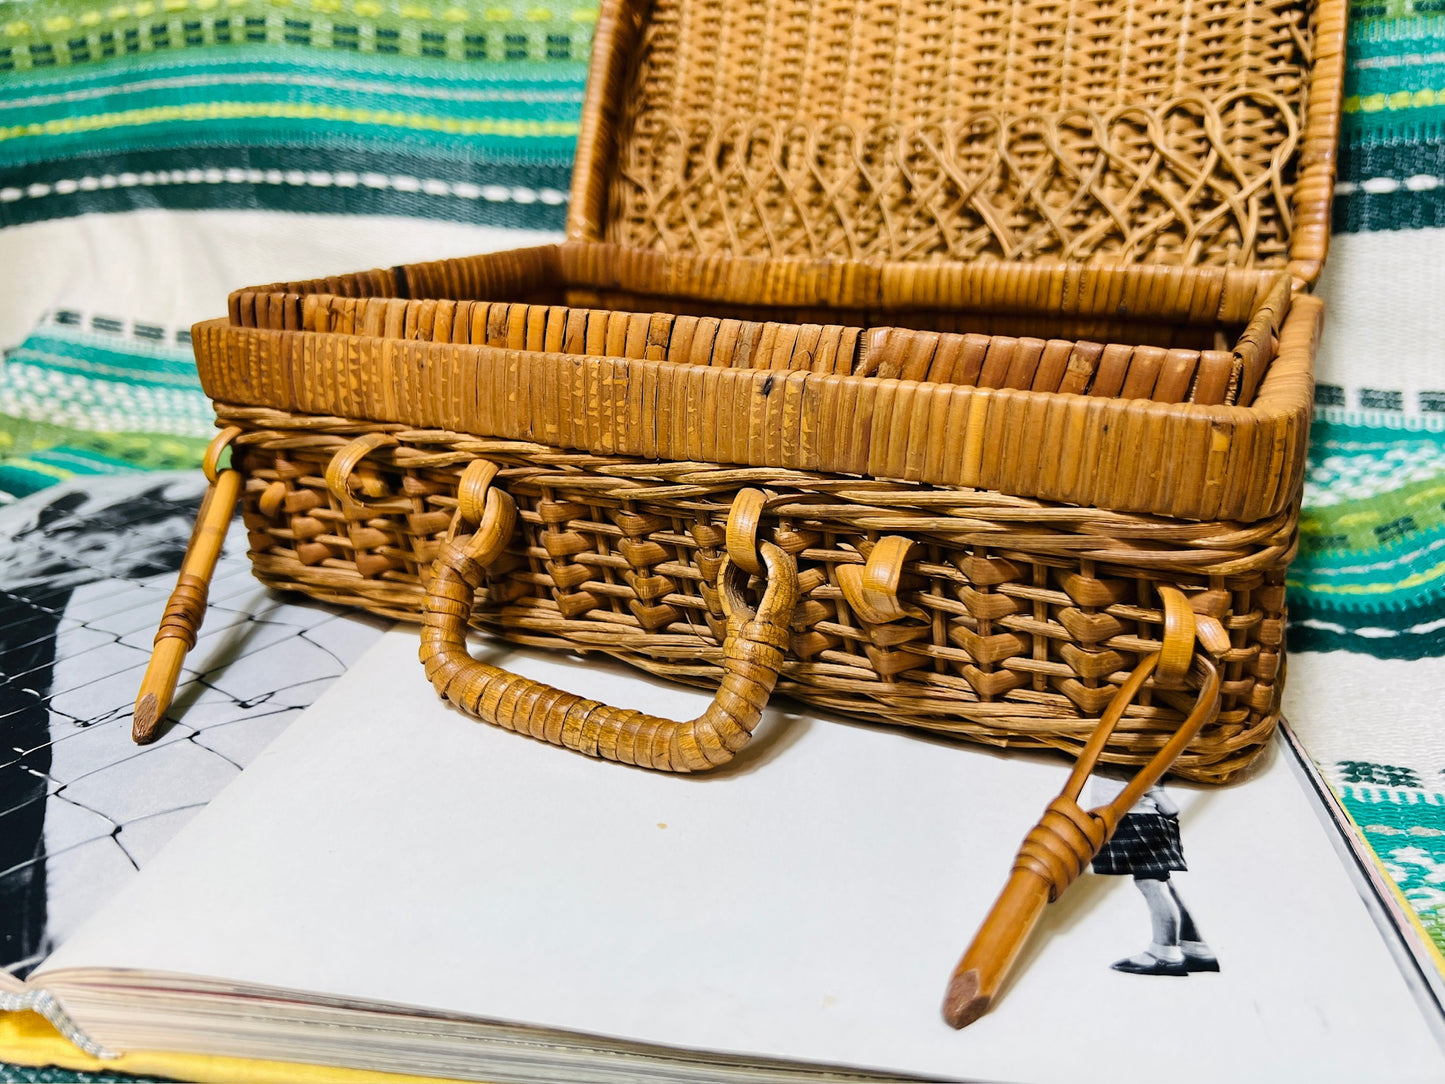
1015 618
1004 317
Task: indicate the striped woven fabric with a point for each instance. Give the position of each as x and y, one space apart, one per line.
96 399
156 153
1371 572
1367 592
463 112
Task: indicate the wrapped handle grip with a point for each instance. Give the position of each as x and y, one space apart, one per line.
753 652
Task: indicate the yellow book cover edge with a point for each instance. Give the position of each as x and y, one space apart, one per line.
28 1039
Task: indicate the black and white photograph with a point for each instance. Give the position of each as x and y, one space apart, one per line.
1146 846
85 571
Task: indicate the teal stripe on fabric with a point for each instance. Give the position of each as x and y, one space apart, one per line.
276 105
319 180
476 96
1372 535
69 377
1407 636
1393 20
352 133
34 454
90 368
41 114
93 357
430 76
1371 583
1405 61
1402 35
1365 161
1402 210
1392 173
1404 85
1370 573
41 392
1395 80
1412 123
281 96
19 480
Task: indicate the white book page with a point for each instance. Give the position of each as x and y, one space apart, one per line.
808 902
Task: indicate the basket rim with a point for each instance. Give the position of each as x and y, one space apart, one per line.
1212 294
987 285
1278 395
1242 463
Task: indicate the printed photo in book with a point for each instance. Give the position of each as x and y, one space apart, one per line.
85 568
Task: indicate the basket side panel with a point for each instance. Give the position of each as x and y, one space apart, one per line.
1014 624
244 366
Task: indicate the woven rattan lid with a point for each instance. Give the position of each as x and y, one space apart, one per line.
1139 131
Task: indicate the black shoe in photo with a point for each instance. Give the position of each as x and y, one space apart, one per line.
1146 963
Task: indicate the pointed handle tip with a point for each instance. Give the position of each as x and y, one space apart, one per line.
148 714
965 1002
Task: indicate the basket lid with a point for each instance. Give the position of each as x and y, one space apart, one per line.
1094 131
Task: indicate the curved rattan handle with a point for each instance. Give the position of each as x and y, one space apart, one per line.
753 651
354 502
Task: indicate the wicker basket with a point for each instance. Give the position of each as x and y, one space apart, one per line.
998 306
946 365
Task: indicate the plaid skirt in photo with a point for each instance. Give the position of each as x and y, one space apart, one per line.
1144 845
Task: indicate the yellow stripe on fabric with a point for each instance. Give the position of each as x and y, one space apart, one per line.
27 1039
207 111
1419 579
1401 99
365 9
42 468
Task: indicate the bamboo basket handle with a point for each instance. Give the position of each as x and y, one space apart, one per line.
753 651
1067 837
186 608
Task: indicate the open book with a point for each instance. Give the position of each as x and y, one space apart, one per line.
392 886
